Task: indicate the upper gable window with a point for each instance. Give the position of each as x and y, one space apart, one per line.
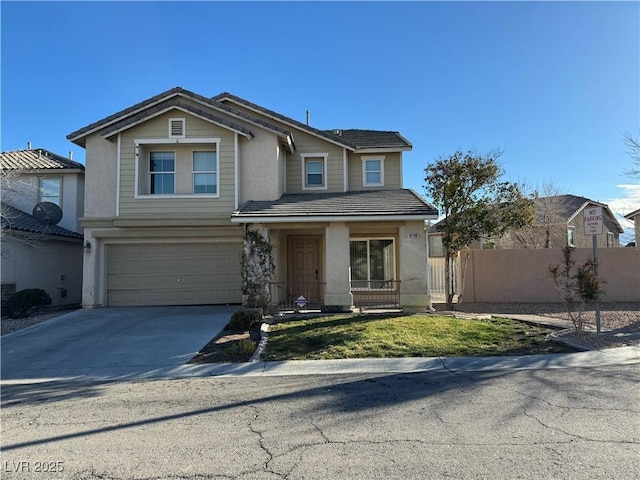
162 169
50 190
373 171
177 128
314 171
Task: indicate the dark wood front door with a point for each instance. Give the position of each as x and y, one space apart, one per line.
304 266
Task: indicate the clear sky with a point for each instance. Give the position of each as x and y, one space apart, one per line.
554 85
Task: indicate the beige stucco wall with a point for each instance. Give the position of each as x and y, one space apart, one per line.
100 177
413 266
494 276
261 165
337 253
52 265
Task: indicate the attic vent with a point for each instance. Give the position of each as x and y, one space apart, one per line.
176 128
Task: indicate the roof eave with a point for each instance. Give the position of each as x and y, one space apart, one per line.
239 218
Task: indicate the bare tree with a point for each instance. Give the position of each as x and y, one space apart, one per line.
633 149
550 210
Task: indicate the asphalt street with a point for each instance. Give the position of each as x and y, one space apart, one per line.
572 423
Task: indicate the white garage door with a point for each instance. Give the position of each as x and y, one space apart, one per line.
174 274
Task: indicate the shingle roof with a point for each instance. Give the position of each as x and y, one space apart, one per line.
369 204
631 216
355 139
36 159
14 219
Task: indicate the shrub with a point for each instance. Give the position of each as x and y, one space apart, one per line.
241 348
245 319
21 302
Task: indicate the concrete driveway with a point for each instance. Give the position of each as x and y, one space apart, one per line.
111 343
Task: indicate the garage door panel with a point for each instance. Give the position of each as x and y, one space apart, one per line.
174 274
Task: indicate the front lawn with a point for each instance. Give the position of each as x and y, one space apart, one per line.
367 336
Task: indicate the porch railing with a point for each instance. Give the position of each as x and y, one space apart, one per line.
373 294
283 295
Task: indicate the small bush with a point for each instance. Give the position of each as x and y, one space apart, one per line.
241 348
243 320
21 302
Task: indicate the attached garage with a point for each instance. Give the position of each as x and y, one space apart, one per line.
173 274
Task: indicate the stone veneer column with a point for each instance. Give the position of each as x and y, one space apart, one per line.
413 267
338 288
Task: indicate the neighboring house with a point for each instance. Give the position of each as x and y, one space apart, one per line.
558 222
635 218
41 251
173 181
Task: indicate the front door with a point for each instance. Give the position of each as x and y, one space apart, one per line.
304 266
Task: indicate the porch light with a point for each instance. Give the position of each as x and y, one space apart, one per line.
87 247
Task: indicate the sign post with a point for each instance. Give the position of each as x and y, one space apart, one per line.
592 221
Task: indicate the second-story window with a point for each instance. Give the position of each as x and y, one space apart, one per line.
205 172
50 190
162 167
314 171
372 171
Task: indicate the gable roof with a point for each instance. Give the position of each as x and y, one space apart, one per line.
351 139
402 204
15 219
36 159
631 216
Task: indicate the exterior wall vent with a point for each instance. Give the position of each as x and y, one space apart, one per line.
176 128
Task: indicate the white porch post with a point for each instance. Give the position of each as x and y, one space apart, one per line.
413 274
338 288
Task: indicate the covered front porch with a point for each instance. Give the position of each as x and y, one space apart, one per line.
370 254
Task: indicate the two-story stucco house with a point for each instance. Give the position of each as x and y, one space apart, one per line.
172 181
42 252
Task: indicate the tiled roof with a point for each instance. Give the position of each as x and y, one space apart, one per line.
355 139
36 159
152 105
14 219
361 139
371 204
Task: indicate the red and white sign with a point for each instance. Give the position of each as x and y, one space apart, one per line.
592 220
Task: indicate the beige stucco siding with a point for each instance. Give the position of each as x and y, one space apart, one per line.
100 177
261 165
155 128
392 171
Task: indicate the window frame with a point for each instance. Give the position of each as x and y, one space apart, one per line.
205 172
144 145
369 280
374 158
47 198
162 172
610 239
311 157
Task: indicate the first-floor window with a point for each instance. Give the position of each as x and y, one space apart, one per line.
50 190
372 263
162 169
205 172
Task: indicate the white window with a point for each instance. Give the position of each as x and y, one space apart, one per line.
205 172
162 172
372 263
373 171
610 239
50 190
177 128
570 237
435 246
314 171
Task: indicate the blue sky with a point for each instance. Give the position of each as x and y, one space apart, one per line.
554 85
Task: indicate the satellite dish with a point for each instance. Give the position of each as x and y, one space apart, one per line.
47 213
